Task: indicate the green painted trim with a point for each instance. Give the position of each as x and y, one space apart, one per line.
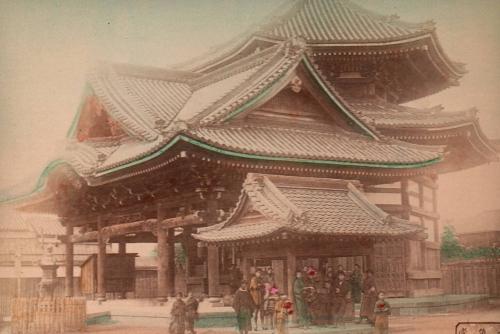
87 90
325 89
309 161
41 182
143 159
269 158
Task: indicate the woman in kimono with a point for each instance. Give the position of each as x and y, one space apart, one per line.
369 297
243 305
178 314
191 313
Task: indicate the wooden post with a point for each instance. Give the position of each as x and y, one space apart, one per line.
68 262
291 268
162 257
213 270
245 267
101 264
122 251
405 199
170 262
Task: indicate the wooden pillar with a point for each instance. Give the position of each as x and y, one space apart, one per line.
405 199
122 251
435 209
213 270
101 263
170 262
162 257
291 268
245 268
68 262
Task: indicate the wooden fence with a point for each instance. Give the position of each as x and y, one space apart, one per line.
29 287
480 276
48 315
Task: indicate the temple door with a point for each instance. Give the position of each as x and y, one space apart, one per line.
389 267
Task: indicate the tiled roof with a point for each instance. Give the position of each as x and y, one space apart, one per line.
388 115
224 93
341 21
41 224
309 144
145 107
304 205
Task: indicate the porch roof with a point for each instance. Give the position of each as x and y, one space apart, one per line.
279 206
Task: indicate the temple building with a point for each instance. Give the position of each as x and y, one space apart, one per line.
290 145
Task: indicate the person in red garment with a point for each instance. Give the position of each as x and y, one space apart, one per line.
382 311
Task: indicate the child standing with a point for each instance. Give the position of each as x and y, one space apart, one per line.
270 299
282 309
382 311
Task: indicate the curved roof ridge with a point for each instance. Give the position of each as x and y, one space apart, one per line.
240 65
427 26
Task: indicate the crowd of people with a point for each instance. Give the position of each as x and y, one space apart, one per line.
319 298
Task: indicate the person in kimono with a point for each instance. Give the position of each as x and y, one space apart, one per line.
178 314
356 281
300 303
282 310
191 313
369 297
235 277
244 306
381 312
257 291
270 299
340 289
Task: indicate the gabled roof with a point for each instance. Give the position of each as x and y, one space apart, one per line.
157 119
271 205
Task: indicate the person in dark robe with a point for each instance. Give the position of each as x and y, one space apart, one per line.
235 277
243 305
178 314
381 311
300 304
257 291
369 297
340 290
324 305
191 313
356 281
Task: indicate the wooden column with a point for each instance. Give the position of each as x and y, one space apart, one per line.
170 262
245 268
405 199
162 257
68 262
122 251
291 268
213 270
101 263
435 209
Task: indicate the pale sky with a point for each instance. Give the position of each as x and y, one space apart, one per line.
47 47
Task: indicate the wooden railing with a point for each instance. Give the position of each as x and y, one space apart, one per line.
480 276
